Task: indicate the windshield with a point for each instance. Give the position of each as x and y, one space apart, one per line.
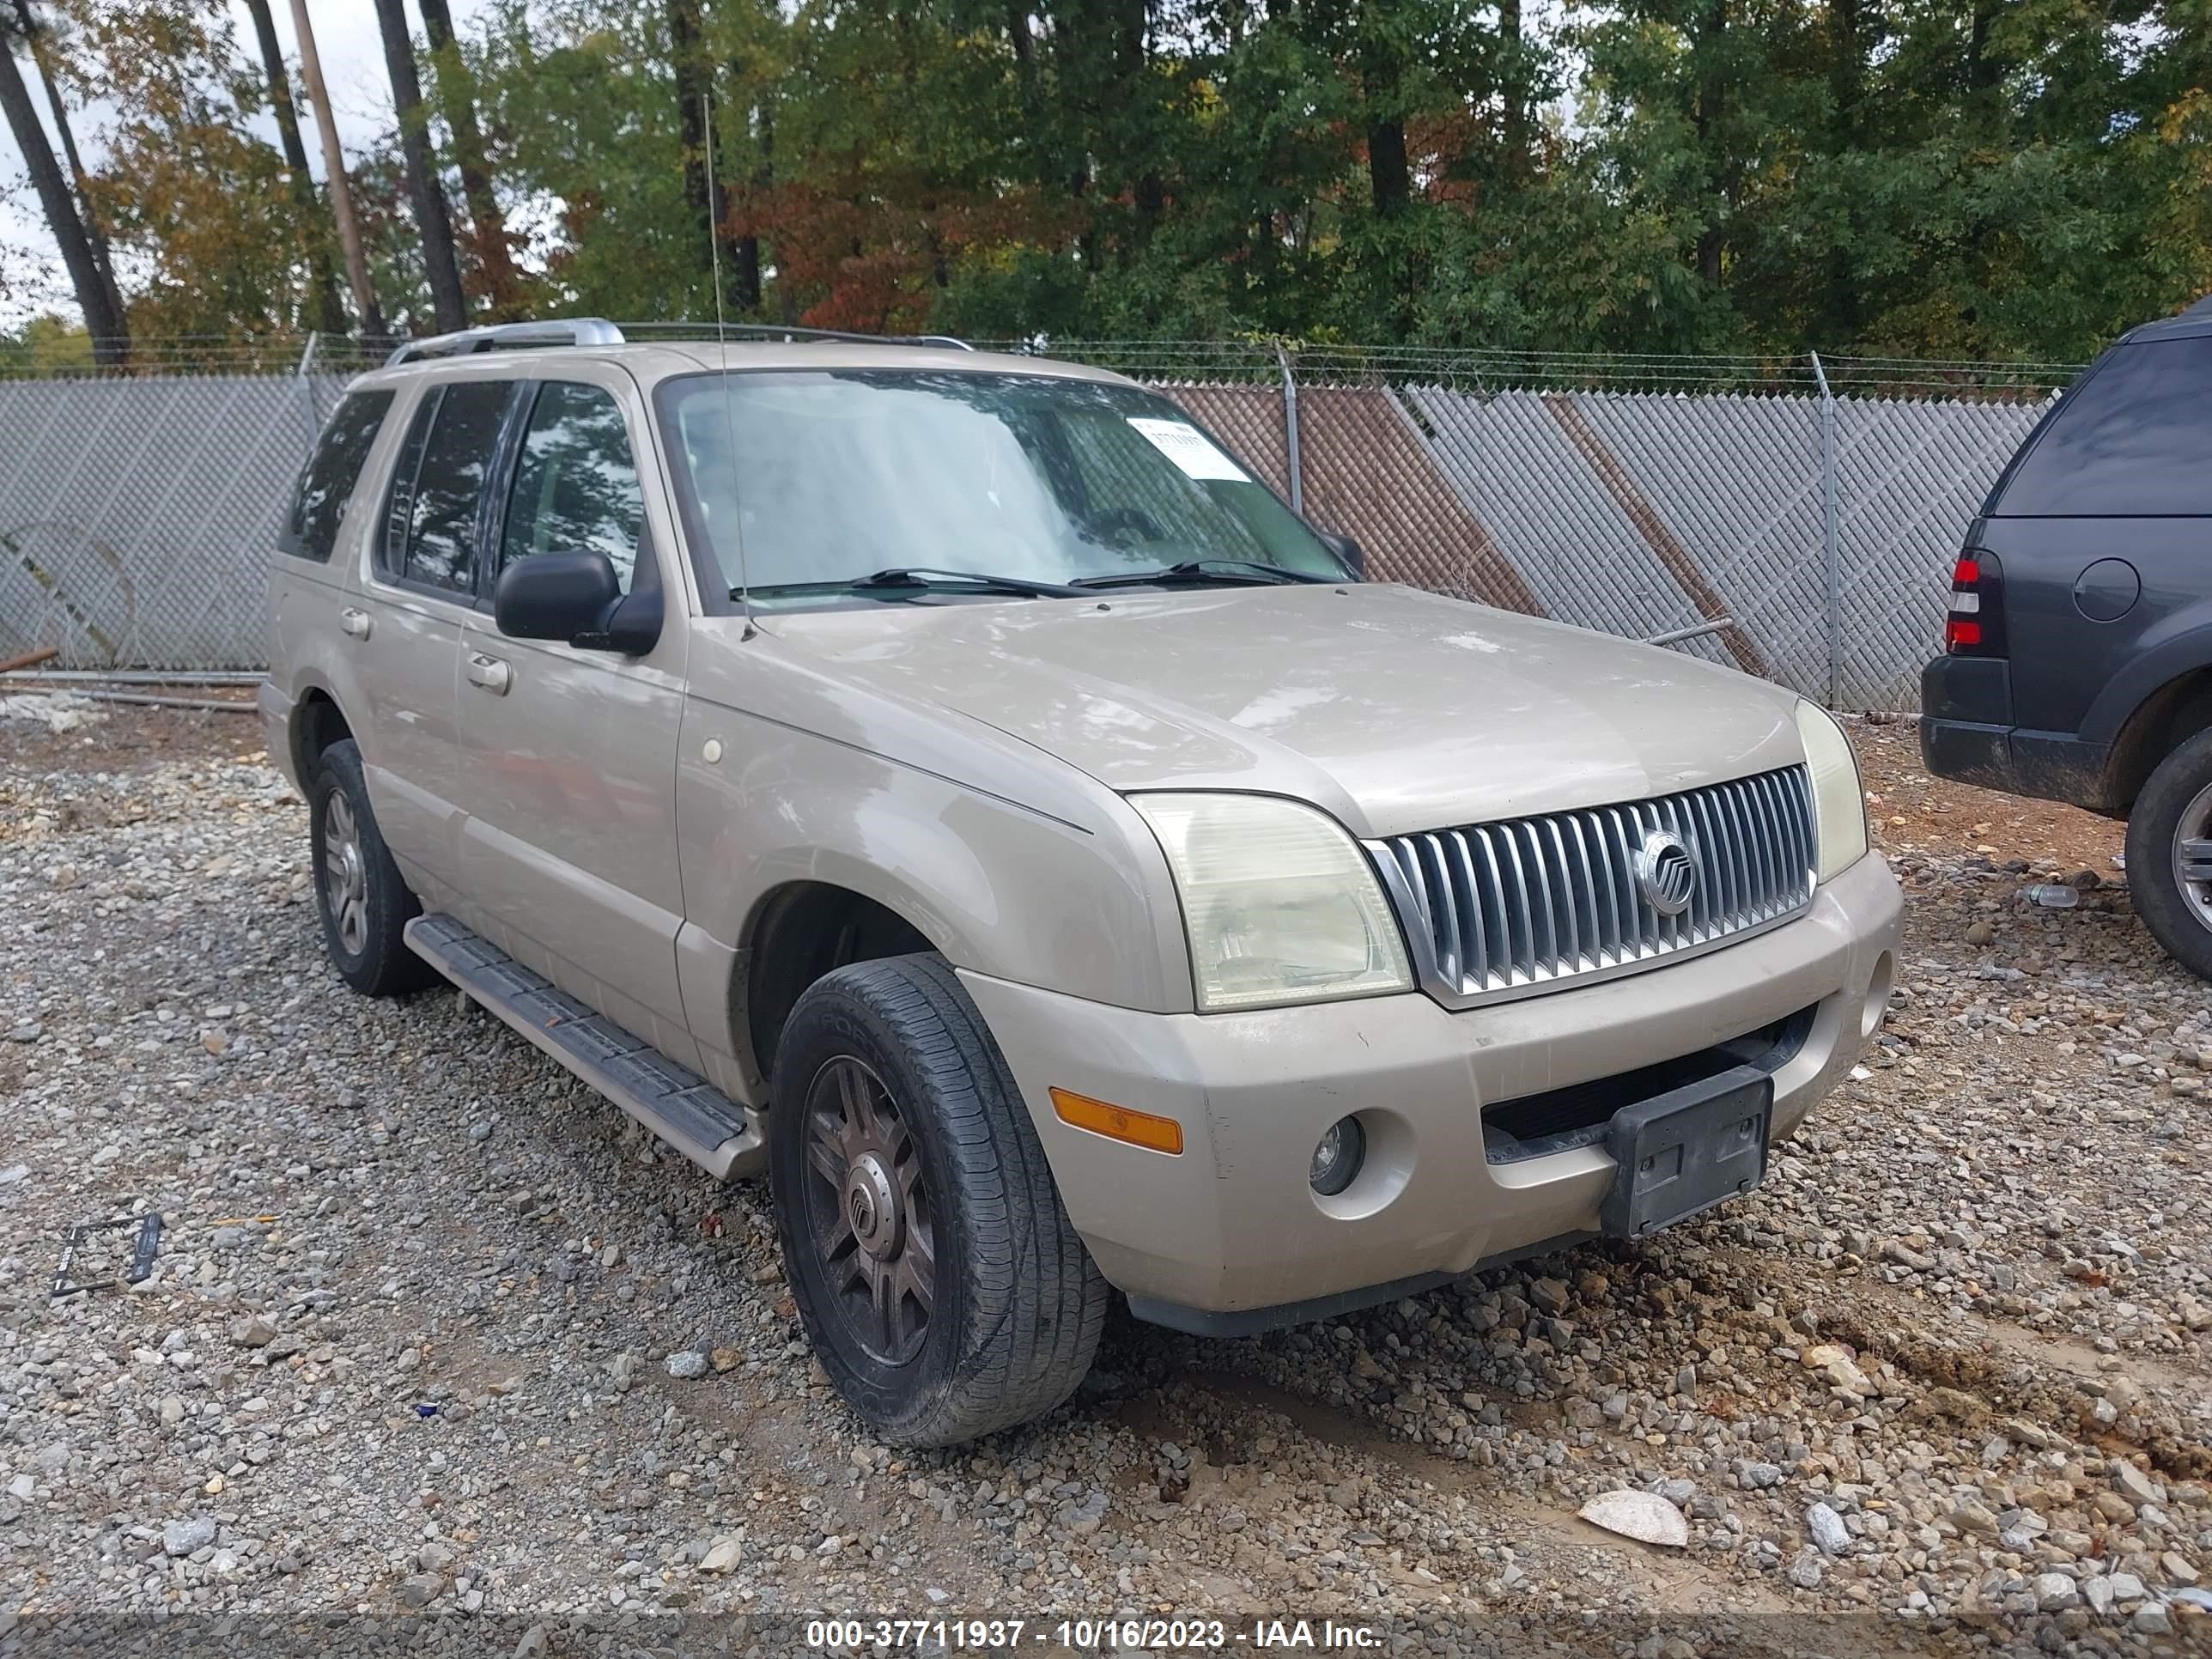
798 482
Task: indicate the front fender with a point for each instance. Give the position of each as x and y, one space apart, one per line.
1076 899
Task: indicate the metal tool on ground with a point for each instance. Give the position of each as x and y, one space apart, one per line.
142 1253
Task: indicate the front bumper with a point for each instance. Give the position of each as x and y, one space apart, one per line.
1230 1234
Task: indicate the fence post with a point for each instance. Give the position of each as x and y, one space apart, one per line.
1290 430
307 388
1831 531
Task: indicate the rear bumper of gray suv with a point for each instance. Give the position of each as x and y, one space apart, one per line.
1967 735
1230 1235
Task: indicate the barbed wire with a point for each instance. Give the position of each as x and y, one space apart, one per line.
141 356
1246 360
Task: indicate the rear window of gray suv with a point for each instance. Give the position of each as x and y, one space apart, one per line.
2133 440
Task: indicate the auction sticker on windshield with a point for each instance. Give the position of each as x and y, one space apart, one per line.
1189 448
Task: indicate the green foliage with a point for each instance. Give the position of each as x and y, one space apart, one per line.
1955 178
581 105
46 344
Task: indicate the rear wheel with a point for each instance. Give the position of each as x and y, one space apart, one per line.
2170 854
936 1271
364 903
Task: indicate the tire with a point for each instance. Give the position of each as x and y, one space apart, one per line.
2175 802
364 904
890 1061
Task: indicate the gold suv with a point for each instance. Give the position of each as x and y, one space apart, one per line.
954 785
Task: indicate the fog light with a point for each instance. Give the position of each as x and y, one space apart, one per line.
1338 1155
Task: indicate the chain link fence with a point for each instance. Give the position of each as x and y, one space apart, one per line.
1814 505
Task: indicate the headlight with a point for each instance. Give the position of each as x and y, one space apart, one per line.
1838 802
1280 902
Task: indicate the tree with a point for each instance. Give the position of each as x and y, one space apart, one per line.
706 195
34 34
330 315
207 209
334 173
1961 177
425 190
589 118
46 344
494 260
96 298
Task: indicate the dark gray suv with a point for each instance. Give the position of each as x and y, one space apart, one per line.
2077 661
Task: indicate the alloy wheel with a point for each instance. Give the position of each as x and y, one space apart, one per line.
344 873
2192 855
868 1210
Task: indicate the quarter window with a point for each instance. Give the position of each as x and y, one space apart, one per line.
575 486
437 493
327 484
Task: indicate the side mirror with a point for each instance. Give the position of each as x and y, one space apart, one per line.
1347 549
575 598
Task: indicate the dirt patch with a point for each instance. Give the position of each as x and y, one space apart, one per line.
1908 811
130 737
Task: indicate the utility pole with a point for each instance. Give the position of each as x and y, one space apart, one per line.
326 123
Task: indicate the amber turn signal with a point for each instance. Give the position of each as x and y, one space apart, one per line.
1158 1134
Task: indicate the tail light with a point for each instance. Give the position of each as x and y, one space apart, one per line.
1974 626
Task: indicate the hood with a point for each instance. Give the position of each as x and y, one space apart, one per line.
1394 709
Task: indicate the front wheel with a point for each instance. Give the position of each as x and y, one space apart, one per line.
2170 854
937 1274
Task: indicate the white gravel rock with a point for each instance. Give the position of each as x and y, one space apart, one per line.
183 1537
724 1555
2055 1592
1828 1529
1646 1517
2132 1484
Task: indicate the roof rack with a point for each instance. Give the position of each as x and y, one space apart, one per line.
598 332
792 331
496 337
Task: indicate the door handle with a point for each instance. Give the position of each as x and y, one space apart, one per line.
490 673
355 623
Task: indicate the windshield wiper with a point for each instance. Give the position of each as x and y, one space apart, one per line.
923 579
1192 571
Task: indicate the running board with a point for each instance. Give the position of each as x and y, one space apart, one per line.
676 1103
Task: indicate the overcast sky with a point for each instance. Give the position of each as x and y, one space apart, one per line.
353 65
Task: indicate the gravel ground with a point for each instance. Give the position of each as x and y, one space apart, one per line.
436 1332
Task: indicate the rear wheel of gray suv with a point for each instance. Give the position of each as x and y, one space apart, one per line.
364 904
935 1270
2170 854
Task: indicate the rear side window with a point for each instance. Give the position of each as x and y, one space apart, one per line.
431 527
327 482
2132 440
575 483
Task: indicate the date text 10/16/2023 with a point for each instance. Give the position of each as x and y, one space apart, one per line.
1090 1635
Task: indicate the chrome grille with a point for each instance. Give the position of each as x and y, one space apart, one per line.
1510 908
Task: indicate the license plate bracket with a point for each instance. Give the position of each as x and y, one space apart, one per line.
1688 1150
